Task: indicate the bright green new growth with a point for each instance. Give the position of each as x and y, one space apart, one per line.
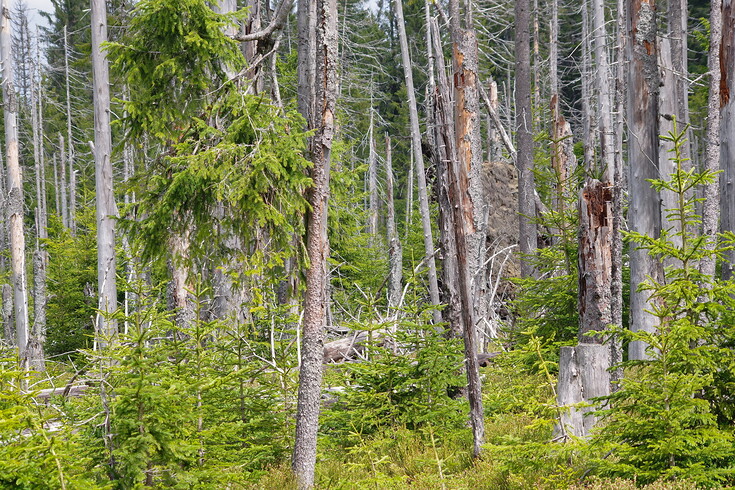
662 421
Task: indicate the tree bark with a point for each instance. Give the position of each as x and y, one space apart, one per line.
727 128
524 134
418 161
395 251
317 247
106 209
604 93
70 142
710 210
15 207
644 211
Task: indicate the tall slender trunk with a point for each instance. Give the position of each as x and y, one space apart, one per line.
14 188
106 209
710 211
70 142
727 128
62 183
418 160
588 132
395 251
604 92
644 211
459 159
372 184
317 246
527 233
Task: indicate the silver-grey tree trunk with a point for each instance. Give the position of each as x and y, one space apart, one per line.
106 209
317 246
644 213
395 251
527 232
604 92
711 208
70 142
727 129
372 183
15 205
418 160
63 183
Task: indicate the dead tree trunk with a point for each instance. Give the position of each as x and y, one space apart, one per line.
372 184
317 247
395 252
604 93
583 369
62 183
418 161
72 175
727 129
106 208
8 326
527 232
710 210
644 211
15 206
460 202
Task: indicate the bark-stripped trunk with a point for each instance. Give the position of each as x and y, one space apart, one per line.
527 232
72 174
418 161
106 209
644 211
710 210
727 128
395 252
604 93
57 187
317 247
182 301
16 230
588 112
62 182
460 199
372 184
583 369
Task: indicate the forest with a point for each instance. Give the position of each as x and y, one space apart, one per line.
368 244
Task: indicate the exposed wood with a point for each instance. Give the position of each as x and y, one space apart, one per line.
106 326
15 208
72 216
372 225
418 161
727 129
395 251
583 376
644 214
711 208
604 91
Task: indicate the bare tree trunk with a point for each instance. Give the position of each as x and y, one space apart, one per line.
644 212
588 133
8 326
306 59
15 189
460 202
727 128
57 187
524 133
710 211
395 252
418 161
181 281
372 184
70 141
106 209
604 92
317 247
62 183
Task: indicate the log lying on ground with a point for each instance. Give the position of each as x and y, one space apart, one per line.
65 391
352 348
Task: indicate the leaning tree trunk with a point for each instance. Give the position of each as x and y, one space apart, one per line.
418 160
317 247
524 133
727 129
460 203
644 211
106 209
14 188
710 210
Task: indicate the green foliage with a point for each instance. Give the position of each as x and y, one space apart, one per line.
174 53
395 389
36 449
658 424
